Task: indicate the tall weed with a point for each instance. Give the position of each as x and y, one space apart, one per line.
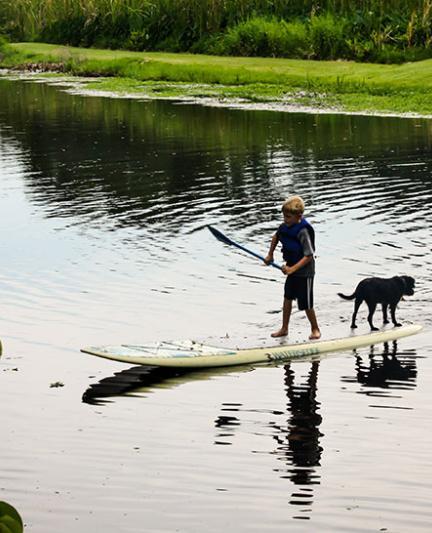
327 36
267 38
324 29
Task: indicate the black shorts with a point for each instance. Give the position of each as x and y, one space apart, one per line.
300 289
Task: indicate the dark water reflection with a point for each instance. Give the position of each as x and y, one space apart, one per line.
127 381
299 441
105 204
161 166
389 370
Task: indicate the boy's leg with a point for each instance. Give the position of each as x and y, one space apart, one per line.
286 313
305 300
315 331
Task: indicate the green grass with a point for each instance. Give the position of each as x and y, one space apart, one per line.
349 86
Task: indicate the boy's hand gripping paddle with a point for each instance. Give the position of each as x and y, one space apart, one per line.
223 238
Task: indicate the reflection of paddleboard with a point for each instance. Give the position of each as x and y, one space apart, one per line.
191 354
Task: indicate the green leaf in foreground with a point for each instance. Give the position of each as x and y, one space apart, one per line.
10 520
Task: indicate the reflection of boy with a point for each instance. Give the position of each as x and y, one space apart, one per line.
298 246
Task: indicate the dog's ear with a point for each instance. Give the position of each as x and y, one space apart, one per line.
409 281
402 282
407 284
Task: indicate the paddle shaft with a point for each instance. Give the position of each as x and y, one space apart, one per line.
223 238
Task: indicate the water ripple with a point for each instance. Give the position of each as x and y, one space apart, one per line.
105 204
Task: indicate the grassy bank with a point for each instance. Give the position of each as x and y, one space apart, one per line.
347 86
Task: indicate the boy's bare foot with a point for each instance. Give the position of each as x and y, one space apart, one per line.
316 334
281 333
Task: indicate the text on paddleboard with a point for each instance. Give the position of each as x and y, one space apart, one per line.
287 354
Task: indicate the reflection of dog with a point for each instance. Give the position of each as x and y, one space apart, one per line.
391 372
386 292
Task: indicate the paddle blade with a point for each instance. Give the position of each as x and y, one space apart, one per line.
220 236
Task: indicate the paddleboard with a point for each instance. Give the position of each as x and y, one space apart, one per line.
191 354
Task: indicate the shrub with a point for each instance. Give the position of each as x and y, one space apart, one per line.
138 40
376 30
393 55
3 41
327 36
259 36
359 49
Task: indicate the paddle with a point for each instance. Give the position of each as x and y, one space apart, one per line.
223 238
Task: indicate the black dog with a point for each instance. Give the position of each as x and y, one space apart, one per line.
386 292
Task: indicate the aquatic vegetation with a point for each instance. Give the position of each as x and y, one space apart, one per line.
56 384
10 520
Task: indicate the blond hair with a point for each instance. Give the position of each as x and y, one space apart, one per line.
293 206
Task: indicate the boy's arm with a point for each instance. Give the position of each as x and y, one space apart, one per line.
269 258
300 264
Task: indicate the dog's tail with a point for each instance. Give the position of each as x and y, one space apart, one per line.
353 295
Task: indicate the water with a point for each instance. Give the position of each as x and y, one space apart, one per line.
104 205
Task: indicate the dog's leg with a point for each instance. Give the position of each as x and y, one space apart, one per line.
357 304
372 307
393 315
384 310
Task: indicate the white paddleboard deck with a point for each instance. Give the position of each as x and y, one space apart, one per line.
191 354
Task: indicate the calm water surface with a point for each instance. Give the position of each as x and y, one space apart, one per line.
104 205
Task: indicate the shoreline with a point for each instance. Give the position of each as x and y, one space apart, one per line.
79 86
261 84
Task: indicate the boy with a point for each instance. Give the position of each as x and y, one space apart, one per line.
298 246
